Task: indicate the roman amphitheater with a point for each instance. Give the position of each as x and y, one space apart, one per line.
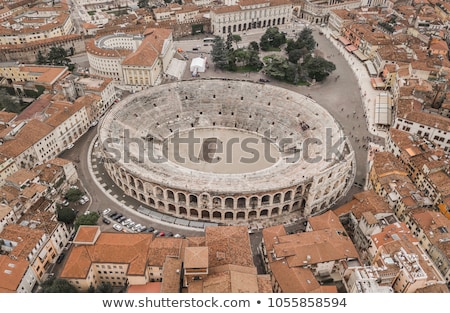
225 151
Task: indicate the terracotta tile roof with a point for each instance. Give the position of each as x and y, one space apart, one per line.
228 245
313 247
59 111
432 120
293 279
231 279
4 210
196 257
150 49
171 275
11 273
45 74
6 117
120 248
32 190
86 234
441 180
393 232
36 108
161 247
386 163
326 220
25 237
21 176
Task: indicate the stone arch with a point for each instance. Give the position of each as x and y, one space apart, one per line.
181 197
217 215
193 201
275 211
217 202
287 196
241 202
228 215
133 193
170 195
240 216
205 214
161 206
171 208
265 199
264 213
193 213
131 181
253 203
285 209
252 214
229 202
141 197
182 210
150 201
277 198
159 192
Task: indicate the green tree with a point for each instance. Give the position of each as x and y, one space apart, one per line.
73 194
9 103
57 285
86 219
304 40
219 54
65 214
143 4
236 39
318 68
276 66
40 58
253 46
272 39
58 56
104 288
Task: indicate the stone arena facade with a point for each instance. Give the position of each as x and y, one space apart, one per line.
270 152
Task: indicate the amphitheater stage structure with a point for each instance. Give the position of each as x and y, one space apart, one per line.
227 152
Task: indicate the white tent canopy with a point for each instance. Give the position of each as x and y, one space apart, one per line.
198 65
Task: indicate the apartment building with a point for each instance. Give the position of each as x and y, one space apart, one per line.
432 230
319 250
36 24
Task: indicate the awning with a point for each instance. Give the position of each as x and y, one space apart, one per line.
370 68
360 55
344 40
351 48
377 83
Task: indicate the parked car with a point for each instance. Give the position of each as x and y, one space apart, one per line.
117 227
161 234
70 146
169 234
65 203
150 230
106 211
106 221
126 221
123 218
60 258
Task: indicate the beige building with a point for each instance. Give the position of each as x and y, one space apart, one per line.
432 230
319 250
248 14
133 60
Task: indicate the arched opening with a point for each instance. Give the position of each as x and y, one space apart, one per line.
229 203
277 198
131 181
159 192
151 201
172 208
253 202
133 193
217 202
275 211
287 196
170 195
285 209
229 215
182 211
181 197
205 214
241 202
140 185
193 200
240 216
264 213
193 213
142 197
217 215
161 206
265 199
252 214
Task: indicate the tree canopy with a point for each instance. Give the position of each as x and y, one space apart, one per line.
86 219
65 214
57 285
272 39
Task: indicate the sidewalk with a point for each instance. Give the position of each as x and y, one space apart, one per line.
368 94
